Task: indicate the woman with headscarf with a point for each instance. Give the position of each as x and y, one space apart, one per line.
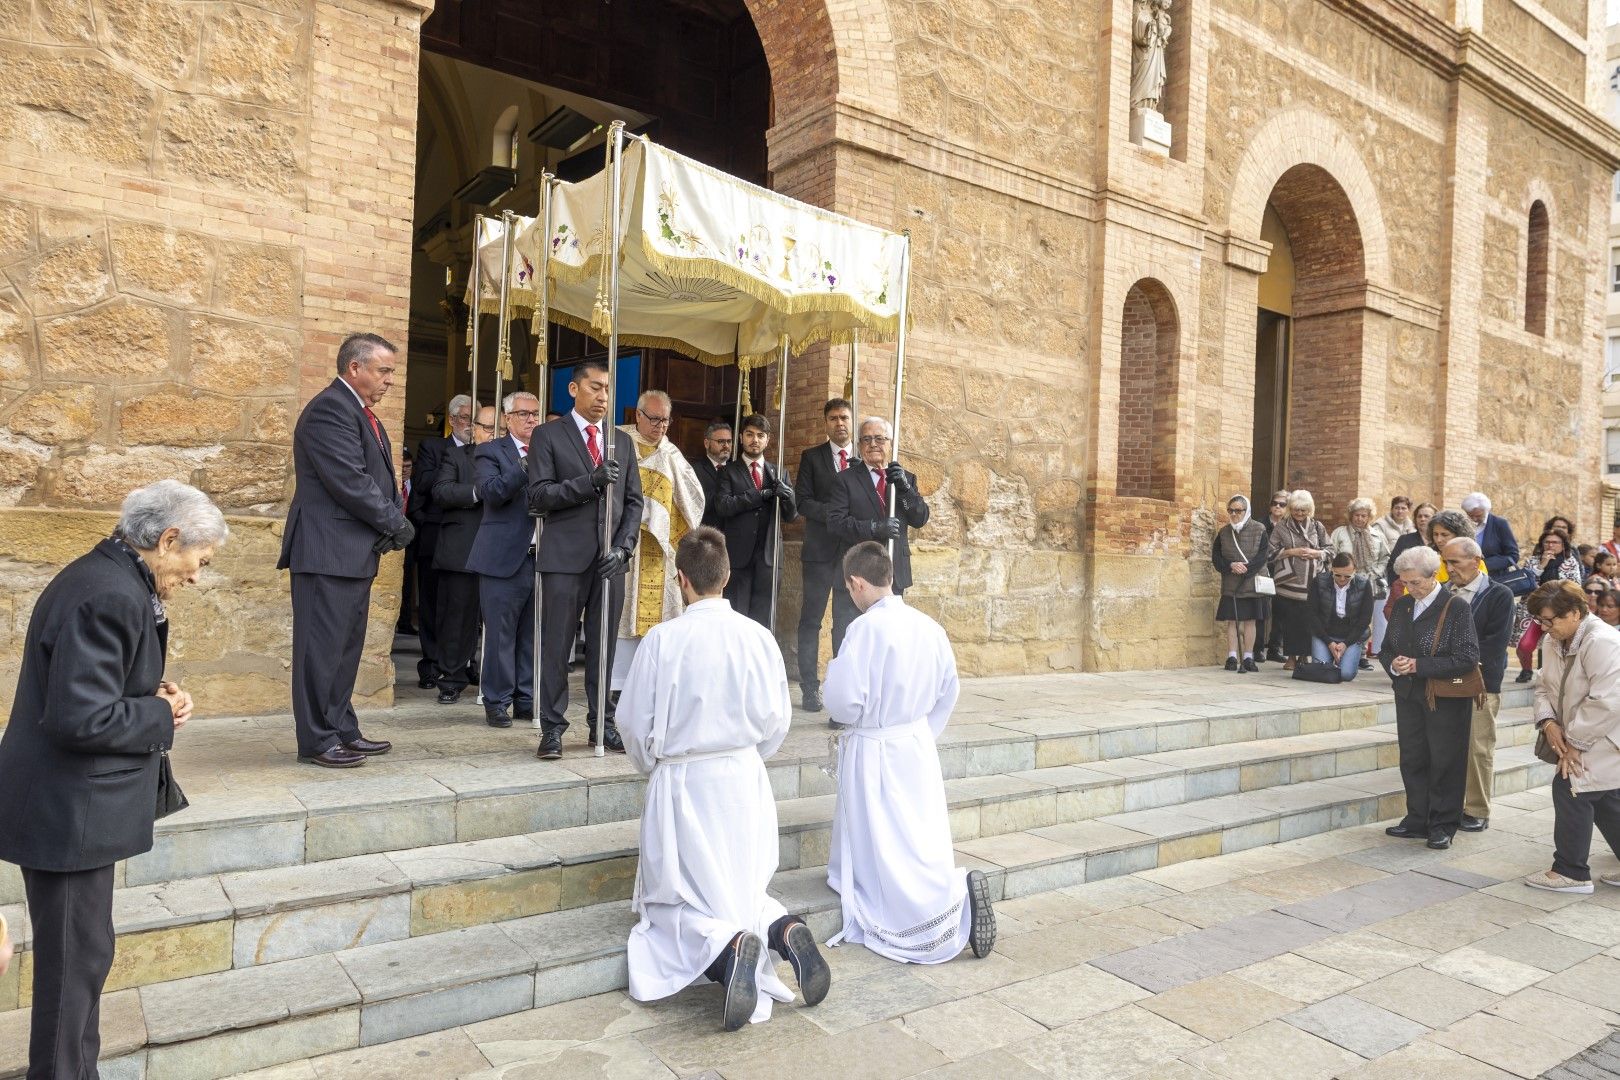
1366 546
1299 545
1238 553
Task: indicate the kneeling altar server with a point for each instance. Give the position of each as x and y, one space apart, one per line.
704 704
892 862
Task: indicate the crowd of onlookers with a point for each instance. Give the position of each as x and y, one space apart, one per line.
1440 597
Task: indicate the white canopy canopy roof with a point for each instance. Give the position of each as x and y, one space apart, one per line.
711 266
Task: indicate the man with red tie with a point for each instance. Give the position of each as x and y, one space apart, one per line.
502 556
572 483
346 511
746 500
860 505
819 469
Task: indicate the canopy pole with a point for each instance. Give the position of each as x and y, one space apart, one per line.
781 446
477 316
616 240
542 360
503 328
899 370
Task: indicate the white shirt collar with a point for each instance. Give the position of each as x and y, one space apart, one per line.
456 440
753 460
720 463
848 448
1473 588
582 423
1420 606
354 392
522 447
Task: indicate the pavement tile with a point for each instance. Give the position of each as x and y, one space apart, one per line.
442 1053
1585 922
1138 925
1424 1060
1042 951
1520 1050
1064 997
1195 874
1534 944
997 1063
1486 970
692 1047
881 995
623 1058
969 976
1118 892
1573 1020
1359 1026
1454 923
1430 998
961 1029
536 1032
1595 981
1121 1043
1220 1007
1217 904
1365 954
883 1051
1462 877
1293 976
1274 1051
1301 883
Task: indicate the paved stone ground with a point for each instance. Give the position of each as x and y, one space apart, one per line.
1346 954
1601 1062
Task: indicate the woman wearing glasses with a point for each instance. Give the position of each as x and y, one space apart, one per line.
1239 555
1578 712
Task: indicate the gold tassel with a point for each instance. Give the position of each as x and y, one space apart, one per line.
747 401
776 395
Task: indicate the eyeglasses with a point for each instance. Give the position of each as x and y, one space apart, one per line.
525 414
873 440
481 426
1278 505
656 421
1234 509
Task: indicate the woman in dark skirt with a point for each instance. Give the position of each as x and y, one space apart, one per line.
1238 552
1430 635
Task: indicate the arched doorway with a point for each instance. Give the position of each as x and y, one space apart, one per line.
1308 342
1148 377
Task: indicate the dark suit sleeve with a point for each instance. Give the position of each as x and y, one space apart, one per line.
1509 547
85 707
839 520
911 507
548 489
790 508
1458 652
448 491
429 454
499 481
339 462
810 506
729 500
627 530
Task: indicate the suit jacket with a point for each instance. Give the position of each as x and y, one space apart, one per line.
854 511
79 760
346 494
454 486
746 515
708 475
421 508
560 488
818 472
1493 627
506 530
1454 654
1326 623
1497 545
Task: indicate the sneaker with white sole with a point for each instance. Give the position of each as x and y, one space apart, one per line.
1552 881
1611 879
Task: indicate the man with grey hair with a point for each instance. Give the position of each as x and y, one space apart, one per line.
503 558
1497 544
427 515
346 512
859 505
1491 604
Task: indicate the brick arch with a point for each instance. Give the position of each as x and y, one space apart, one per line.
1149 347
799 38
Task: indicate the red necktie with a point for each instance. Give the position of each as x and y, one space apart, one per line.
376 428
843 460
882 489
590 444
758 483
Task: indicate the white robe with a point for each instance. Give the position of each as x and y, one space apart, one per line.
705 703
892 861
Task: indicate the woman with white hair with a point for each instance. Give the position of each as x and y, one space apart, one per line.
1366 545
1299 547
1430 636
82 769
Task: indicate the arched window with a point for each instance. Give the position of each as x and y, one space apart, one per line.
1535 271
503 144
1147 394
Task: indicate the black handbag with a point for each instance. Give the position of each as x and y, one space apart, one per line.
1520 580
170 799
1318 672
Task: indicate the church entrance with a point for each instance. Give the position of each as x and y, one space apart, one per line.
513 87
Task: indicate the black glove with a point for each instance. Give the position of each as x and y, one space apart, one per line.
612 564
896 476
888 529
397 540
784 492
606 473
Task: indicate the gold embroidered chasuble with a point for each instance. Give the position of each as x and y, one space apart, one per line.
672 504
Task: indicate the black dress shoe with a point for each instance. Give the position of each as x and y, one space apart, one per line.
1275 656
1525 675
550 748
1365 665
1474 824
335 758
363 745
449 697
793 942
497 716
741 975
1439 841
610 739
1403 832
425 683
812 699
1249 664
982 932
1231 663
523 710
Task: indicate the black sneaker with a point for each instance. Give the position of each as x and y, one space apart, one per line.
982 935
812 699
742 988
550 748
449 697
1275 656
1231 663
1365 665
1249 664
797 945
1525 675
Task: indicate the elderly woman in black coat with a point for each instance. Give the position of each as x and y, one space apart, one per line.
1430 635
80 759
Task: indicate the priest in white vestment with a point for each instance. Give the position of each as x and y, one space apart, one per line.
892 862
705 703
671 505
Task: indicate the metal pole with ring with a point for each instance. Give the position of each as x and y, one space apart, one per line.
616 228
781 445
542 363
899 371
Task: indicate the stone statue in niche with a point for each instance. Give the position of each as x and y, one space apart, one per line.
1150 39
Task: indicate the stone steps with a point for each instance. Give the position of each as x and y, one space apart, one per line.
215 923
214 1025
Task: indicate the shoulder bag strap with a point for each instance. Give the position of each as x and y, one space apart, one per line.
1439 627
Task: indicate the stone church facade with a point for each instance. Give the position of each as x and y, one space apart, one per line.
1369 262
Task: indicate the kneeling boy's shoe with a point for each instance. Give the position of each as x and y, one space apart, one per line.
982 935
741 980
793 942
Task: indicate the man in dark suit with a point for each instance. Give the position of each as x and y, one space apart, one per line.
455 493
80 760
571 482
426 514
502 556
716 453
1493 534
1492 605
346 511
747 498
819 468
859 505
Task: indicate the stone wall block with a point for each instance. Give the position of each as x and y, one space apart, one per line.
248 475
235 146
163 263
19 470
16 339
260 281
66 413
68 22
73 105
238 358
273 423
117 340
101 477
16 231
249 55
158 37
173 416
68 277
